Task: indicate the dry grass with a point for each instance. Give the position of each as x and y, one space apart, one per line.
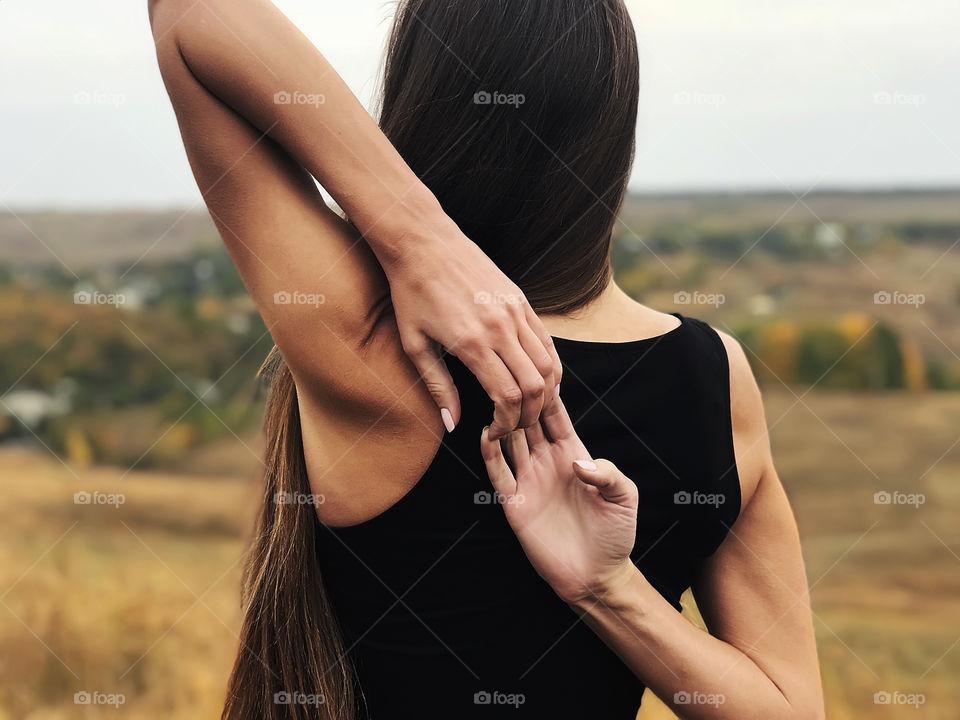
143 599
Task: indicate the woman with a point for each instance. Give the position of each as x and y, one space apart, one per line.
388 577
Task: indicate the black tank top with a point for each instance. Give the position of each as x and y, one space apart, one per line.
442 613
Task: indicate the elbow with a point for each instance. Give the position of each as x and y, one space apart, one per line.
166 12
152 8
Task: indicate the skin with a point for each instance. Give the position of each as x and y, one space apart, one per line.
224 64
577 526
369 382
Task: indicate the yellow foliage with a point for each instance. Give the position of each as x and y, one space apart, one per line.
78 448
179 439
209 307
914 367
777 347
853 326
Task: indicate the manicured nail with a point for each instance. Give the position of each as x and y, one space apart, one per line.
586 464
556 390
447 419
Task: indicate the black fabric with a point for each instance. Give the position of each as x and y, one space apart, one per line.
442 611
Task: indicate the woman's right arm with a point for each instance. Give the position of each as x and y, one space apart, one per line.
260 110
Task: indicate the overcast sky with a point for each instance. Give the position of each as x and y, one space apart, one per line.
736 94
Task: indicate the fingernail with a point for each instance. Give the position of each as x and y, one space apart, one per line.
447 419
556 390
586 464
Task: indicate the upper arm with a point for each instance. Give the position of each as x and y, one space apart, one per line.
752 592
315 282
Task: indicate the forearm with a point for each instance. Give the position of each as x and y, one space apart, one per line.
699 676
248 55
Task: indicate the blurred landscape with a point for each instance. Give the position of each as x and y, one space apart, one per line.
129 436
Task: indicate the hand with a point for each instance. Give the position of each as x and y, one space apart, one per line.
448 294
576 518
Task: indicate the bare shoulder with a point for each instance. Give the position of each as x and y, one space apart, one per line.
750 437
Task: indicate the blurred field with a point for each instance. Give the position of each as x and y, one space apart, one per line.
154 397
142 599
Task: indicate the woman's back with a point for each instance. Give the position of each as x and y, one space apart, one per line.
441 611
455 198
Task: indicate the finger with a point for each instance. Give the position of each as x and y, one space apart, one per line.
500 475
528 379
518 452
536 440
500 385
614 486
433 371
536 324
557 422
542 360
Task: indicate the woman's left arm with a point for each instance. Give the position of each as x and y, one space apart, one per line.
577 527
760 660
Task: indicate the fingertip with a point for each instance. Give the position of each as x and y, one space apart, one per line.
485 435
586 465
448 421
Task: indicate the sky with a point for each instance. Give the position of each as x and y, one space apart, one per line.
788 95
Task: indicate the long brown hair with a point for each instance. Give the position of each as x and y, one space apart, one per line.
520 116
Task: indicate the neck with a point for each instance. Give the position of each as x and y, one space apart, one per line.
613 317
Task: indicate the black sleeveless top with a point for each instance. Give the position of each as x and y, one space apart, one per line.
442 613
